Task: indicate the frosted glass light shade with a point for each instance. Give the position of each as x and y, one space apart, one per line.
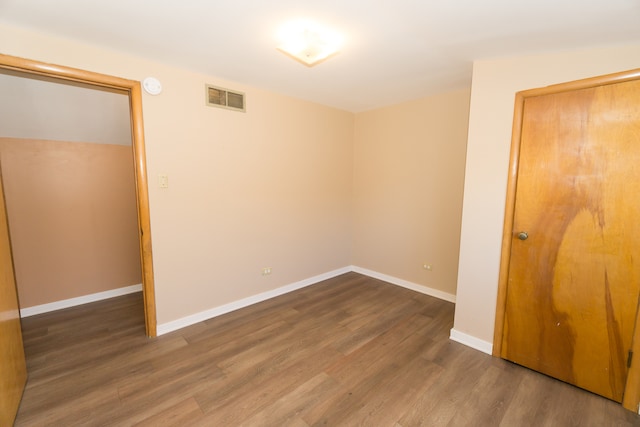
309 43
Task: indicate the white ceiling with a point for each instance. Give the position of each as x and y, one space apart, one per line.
394 50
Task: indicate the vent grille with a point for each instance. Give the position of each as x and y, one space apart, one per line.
225 98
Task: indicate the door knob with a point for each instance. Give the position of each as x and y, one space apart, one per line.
523 235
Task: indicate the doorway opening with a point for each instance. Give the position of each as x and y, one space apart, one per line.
130 88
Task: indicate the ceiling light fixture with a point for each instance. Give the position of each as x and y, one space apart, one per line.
308 42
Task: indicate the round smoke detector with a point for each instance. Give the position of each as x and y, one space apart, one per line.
152 86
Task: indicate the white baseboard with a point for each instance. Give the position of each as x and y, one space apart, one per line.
406 284
245 302
471 341
183 322
72 302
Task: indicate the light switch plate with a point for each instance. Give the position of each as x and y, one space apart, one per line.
163 180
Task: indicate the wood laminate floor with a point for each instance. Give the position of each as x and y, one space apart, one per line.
348 351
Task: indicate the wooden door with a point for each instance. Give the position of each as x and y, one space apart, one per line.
573 268
13 370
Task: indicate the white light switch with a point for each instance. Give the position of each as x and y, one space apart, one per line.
163 180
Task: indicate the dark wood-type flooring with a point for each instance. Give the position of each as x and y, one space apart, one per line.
348 351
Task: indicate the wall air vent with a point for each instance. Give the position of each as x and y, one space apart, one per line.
225 98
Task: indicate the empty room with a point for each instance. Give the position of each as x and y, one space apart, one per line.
312 213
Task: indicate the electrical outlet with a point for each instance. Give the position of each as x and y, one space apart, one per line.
266 271
427 267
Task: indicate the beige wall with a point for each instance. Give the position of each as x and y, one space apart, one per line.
72 217
408 180
495 83
267 188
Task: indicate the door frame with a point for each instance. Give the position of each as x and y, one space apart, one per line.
132 89
13 366
631 398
